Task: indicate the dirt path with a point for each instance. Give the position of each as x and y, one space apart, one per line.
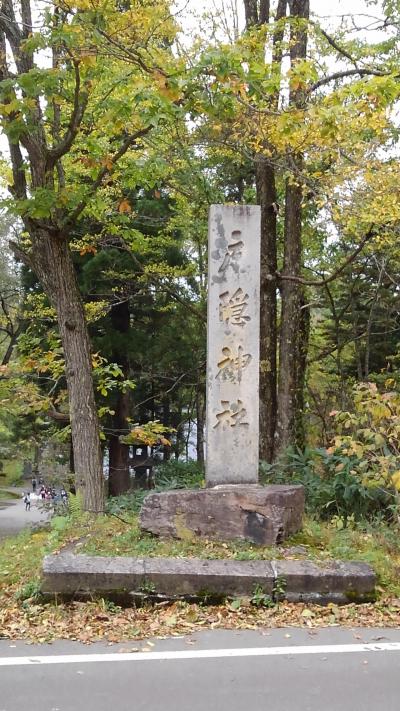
14 518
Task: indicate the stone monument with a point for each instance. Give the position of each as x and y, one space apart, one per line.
233 334
233 505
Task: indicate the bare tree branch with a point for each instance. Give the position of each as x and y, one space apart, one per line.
80 102
333 43
34 142
369 235
8 25
344 74
56 415
130 54
21 255
12 343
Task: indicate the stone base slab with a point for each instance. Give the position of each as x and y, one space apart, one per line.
264 515
79 576
173 577
336 581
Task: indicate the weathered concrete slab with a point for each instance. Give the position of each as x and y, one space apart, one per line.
264 515
69 573
191 576
336 581
173 577
233 335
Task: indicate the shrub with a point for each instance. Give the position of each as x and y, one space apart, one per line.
332 482
371 435
168 475
359 475
30 591
175 474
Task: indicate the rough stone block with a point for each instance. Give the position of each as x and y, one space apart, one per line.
335 581
264 515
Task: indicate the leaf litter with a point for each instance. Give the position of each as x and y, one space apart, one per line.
86 621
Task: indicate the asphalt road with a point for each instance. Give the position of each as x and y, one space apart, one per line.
270 670
14 518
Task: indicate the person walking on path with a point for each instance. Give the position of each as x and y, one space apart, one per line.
34 484
27 501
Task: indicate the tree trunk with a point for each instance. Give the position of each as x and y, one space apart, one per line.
375 301
180 432
303 340
290 374
290 316
36 460
119 476
356 333
166 407
71 457
71 479
52 263
200 423
256 12
259 14
266 196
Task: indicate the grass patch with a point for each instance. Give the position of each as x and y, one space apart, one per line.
20 560
377 544
111 536
11 474
5 494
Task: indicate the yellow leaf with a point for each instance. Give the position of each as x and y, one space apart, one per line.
107 162
173 93
87 56
160 79
124 206
88 249
396 480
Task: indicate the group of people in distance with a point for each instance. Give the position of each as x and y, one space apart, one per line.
46 493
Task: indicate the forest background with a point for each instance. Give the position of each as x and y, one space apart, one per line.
124 121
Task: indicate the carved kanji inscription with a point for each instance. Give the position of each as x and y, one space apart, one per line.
232 364
232 414
233 309
233 253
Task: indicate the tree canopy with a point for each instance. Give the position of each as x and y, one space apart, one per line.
123 125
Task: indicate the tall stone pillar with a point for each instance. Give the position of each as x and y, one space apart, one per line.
233 334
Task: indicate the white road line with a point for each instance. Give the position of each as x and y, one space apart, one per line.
200 654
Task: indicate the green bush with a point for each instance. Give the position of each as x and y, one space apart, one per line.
30 591
168 475
332 484
129 502
175 474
